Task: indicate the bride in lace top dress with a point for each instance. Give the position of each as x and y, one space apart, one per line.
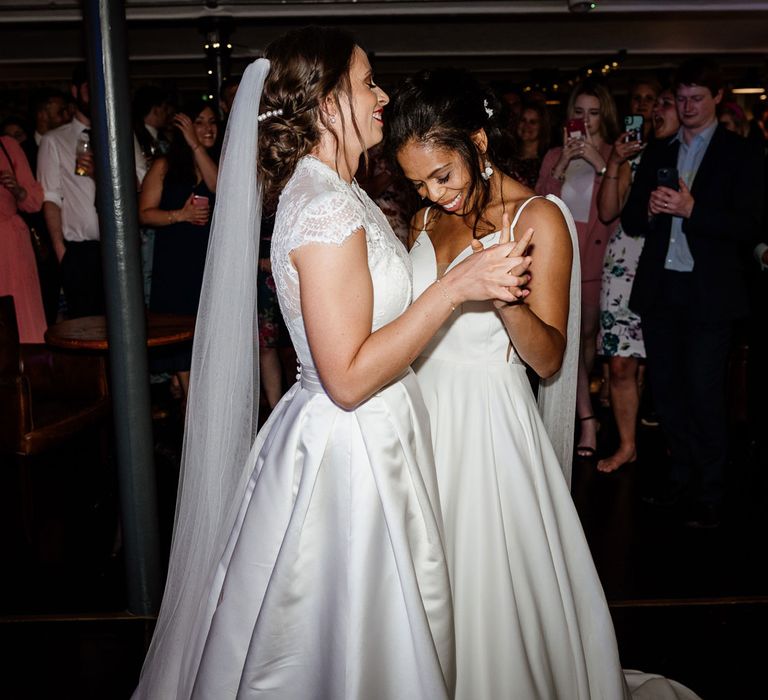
323 573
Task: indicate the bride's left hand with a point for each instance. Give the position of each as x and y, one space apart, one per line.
518 250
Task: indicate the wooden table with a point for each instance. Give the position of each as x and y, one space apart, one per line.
90 332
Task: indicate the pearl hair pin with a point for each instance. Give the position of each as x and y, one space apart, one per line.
269 113
487 170
487 109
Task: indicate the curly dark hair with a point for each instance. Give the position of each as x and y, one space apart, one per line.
445 108
306 66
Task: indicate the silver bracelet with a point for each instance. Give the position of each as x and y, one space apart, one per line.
445 294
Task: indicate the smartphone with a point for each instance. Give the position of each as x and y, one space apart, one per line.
633 125
668 177
575 129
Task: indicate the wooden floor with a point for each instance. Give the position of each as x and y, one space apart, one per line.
692 605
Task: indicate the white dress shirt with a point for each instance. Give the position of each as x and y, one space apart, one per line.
141 161
75 195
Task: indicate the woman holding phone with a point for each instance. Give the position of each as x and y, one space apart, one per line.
621 339
574 172
176 199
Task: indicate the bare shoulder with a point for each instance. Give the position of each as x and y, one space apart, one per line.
416 226
545 218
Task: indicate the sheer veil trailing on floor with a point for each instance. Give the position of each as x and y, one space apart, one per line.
222 407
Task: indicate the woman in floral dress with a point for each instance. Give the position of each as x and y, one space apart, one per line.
620 337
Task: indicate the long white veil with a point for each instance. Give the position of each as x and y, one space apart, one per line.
222 408
557 395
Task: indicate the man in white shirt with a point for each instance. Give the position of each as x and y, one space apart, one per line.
70 207
151 114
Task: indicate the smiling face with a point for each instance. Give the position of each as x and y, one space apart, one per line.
439 174
696 106
367 101
664 116
587 107
529 125
206 128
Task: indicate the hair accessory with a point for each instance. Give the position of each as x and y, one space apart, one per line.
270 113
487 109
487 169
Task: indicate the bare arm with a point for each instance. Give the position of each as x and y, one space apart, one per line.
537 325
614 188
150 213
208 168
52 216
337 306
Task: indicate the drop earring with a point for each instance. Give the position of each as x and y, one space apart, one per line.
488 171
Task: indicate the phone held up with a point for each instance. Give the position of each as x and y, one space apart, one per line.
668 177
633 125
576 129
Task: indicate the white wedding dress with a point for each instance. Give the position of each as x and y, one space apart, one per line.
530 615
334 583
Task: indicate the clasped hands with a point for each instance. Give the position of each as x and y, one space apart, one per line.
8 180
665 200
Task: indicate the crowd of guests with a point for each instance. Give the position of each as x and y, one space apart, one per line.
668 209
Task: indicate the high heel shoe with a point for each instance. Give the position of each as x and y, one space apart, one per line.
586 452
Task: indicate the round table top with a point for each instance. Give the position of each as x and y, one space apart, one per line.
90 332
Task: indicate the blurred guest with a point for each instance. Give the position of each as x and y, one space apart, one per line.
48 112
16 128
574 172
18 271
758 126
531 143
177 200
70 205
643 94
512 105
392 193
733 118
227 93
273 333
151 113
689 286
620 338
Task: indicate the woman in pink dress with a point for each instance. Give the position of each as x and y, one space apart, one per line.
18 269
573 172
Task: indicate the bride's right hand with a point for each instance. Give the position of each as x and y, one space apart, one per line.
497 272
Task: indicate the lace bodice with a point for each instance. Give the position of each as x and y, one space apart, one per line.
317 206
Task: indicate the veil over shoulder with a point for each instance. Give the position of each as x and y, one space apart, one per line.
222 407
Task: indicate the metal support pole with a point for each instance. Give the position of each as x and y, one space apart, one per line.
118 222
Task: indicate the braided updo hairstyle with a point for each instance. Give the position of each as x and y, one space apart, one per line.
306 66
445 108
